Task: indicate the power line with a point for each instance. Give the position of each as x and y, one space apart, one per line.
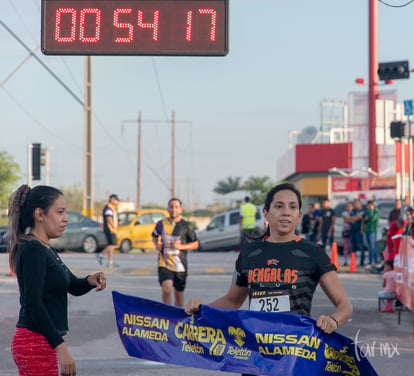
157 78
396 6
42 64
39 123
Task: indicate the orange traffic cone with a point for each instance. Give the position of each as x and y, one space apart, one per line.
334 255
352 265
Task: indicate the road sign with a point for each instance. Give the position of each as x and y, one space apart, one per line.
135 27
408 107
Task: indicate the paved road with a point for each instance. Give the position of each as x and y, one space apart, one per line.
94 343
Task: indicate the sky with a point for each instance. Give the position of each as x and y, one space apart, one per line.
233 113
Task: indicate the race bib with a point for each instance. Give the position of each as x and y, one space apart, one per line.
168 241
271 303
172 251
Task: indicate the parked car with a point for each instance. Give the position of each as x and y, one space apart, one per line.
82 233
223 231
135 228
384 207
3 238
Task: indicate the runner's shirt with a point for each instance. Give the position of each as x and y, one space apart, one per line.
171 258
281 277
109 211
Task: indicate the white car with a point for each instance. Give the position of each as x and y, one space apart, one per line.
223 231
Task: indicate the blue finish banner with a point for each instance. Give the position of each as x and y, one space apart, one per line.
228 340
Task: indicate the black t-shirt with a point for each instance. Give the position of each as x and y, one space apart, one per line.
306 225
327 215
44 281
281 277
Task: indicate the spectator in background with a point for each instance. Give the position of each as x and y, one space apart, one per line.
409 227
306 222
315 222
393 240
356 216
247 220
327 223
371 220
395 213
346 232
110 222
407 206
389 285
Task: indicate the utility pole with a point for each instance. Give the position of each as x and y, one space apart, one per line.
139 161
173 156
88 153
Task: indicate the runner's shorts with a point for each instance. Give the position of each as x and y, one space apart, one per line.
178 278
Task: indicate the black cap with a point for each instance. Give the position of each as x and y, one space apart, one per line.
113 195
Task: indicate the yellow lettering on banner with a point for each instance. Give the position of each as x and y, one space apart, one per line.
333 367
143 333
288 350
291 339
341 356
239 353
203 334
188 347
146 321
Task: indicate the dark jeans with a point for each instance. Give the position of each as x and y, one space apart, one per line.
324 238
357 242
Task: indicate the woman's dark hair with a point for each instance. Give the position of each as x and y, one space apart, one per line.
282 187
22 205
389 263
271 194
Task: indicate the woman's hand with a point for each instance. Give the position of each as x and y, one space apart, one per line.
98 280
192 306
327 324
66 363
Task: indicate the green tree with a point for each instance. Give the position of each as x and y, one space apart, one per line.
229 185
9 176
258 186
74 197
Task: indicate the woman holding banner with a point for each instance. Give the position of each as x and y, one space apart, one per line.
36 216
281 264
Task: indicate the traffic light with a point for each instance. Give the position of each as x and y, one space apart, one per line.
397 129
394 70
36 161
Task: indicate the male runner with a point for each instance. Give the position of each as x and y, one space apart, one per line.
173 237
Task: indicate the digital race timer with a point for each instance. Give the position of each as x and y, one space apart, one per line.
135 27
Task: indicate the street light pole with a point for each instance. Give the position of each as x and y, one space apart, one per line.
373 84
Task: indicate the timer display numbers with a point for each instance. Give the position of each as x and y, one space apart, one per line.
135 27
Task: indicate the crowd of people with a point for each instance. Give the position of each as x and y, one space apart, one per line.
360 233
360 228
